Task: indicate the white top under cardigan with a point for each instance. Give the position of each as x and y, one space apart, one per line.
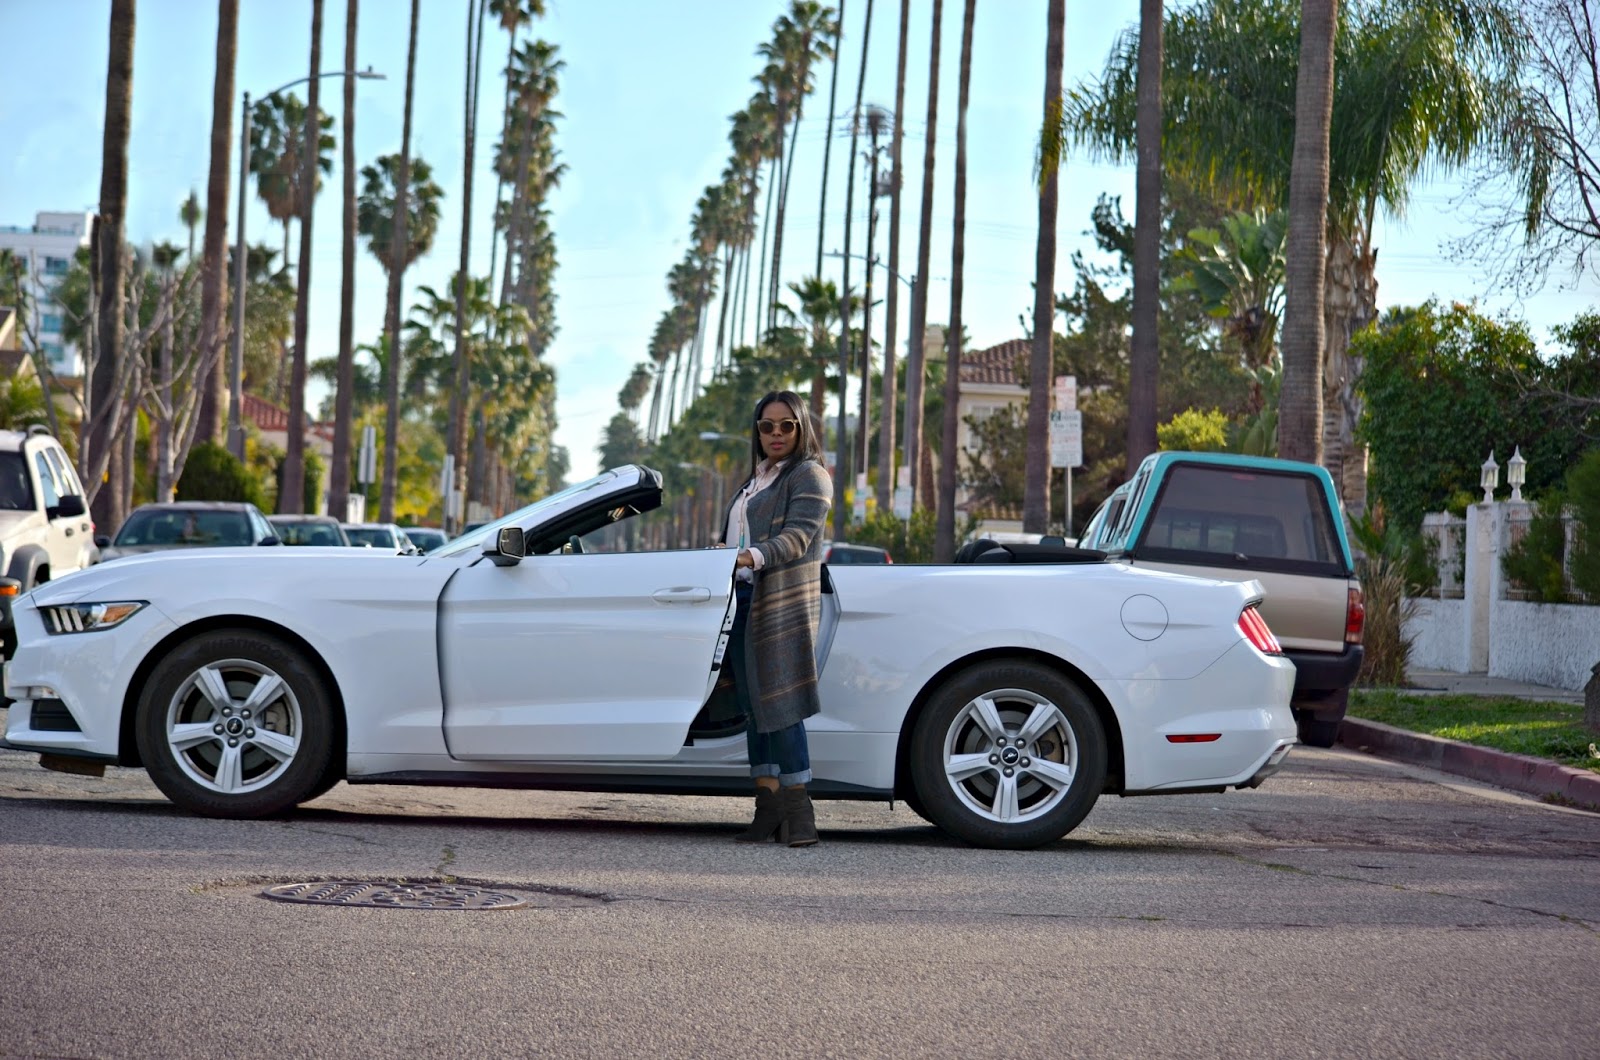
738 529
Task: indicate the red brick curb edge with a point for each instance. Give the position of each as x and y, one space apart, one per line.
1535 776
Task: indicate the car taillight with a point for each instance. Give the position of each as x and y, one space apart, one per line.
1355 617
1255 630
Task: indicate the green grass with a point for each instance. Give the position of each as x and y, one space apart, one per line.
1544 730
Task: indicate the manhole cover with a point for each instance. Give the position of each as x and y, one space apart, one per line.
401 895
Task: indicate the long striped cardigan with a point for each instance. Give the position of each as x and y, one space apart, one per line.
786 525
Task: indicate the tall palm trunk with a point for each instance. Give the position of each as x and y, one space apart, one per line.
727 299
843 478
1349 304
864 419
944 535
1036 486
104 415
500 180
291 496
891 315
766 230
916 369
1305 248
344 387
1144 355
213 282
460 368
397 269
655 402
779 176
827 143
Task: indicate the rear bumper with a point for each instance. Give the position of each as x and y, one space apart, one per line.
1319 672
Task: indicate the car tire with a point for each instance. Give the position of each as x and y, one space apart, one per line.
1317 720
1036 786
237 724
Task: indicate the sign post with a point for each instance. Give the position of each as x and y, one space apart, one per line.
1066 437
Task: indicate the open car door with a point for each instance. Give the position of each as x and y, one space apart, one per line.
567 656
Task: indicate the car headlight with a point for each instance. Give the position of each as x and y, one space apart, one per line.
87 618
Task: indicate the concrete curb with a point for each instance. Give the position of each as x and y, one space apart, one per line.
1535 776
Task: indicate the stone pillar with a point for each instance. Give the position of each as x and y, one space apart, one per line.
1480 582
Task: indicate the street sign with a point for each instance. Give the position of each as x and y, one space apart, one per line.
1066 393
1066 438
902 502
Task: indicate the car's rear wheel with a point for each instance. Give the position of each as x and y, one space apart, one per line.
1008 754
236 724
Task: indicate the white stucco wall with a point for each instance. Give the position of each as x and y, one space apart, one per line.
1546 644
1438 636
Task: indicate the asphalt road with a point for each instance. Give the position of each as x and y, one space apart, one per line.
1348 908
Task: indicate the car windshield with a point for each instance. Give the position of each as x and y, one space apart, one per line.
475 538
16 491
373 536
179 527
307 533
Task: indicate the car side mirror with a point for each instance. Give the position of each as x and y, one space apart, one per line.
102 541
69 507
508 547
270 539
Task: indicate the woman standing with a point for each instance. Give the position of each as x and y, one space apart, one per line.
776 523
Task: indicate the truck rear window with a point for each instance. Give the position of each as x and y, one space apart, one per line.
1227 517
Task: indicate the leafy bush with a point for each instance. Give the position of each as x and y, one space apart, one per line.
1583 493
1388 649
1535 560
213 474
908 541
1194 431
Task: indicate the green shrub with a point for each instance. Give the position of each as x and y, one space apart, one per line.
1387 648
1535 561
1193 431
1583 493
213 474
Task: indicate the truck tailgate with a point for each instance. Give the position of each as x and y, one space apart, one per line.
1305 612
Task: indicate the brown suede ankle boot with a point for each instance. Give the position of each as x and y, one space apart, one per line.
799 819
769 815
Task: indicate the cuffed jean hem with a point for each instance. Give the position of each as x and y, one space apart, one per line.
785 780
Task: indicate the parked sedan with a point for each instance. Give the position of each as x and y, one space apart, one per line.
998 701
186 525
426 538
835 553
385 536
316 530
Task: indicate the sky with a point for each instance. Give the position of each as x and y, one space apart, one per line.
646 94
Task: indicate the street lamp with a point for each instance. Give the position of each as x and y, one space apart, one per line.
236 367
1516 474
1489 478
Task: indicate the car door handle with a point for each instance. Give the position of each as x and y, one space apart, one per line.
682 595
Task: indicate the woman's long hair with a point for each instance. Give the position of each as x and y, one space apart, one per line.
807 445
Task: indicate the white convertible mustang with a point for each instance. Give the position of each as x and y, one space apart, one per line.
999 697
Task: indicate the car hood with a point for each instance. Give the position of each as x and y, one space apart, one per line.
142 574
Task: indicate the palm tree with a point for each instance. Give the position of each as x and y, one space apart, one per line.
277 138
291 492
916 369
801 39
214 280
944 538
876 121
190 215
98 456
1144 352
344 379
1036 486
827 142
1421 87
886 431
1305 249
843 478
819 303
513 15
400 245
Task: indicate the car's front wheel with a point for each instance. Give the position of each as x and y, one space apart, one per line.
1009 754
236 724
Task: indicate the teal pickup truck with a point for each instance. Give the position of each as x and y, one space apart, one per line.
1235 518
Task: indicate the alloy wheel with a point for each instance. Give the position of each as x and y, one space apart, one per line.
1010 755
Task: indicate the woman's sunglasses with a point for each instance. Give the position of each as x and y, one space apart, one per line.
784 427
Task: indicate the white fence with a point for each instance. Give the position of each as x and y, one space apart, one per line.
1479 621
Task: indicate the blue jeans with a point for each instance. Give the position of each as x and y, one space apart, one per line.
783 754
